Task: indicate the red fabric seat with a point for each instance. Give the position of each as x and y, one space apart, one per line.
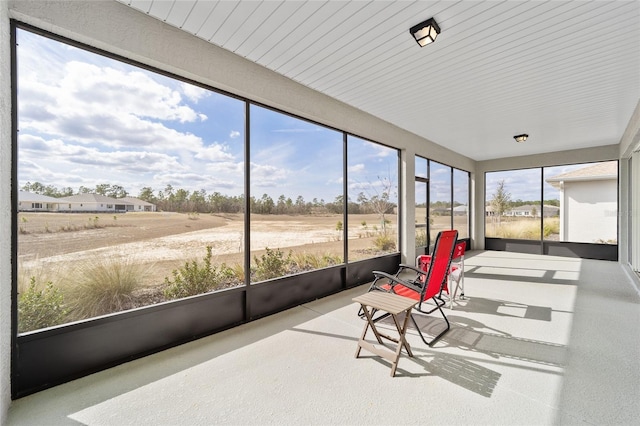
423 284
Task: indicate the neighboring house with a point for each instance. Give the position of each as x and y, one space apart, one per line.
588 203
31 202
460 210
440 211
91 203
138 205
529 210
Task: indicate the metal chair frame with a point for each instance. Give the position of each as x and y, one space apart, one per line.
426 284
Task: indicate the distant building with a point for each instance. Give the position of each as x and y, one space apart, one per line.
138 205
91 203
30 202
588 203
529 210
460 210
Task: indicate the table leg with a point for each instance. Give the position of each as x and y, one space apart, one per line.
402 341
371 324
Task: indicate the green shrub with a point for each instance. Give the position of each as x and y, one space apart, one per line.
272 264
308 261
385 242
40 308
421 238
193 278
103 286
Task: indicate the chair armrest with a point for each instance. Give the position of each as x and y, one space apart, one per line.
394 281
413 268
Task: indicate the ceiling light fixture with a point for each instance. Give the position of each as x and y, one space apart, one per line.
521 138
425 32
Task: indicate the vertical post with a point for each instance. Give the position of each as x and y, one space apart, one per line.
247 211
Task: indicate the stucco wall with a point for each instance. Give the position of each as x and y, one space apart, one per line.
5 213
631 138
591 214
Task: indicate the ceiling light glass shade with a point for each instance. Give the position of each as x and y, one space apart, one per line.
521 138
425 32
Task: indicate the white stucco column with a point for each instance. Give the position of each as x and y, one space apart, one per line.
408 200
5 211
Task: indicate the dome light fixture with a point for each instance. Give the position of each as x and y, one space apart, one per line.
425 32
521 138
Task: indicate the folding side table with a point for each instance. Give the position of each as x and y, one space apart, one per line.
393 305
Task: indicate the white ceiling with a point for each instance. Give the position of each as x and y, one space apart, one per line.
565 72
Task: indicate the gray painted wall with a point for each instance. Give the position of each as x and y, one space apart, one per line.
5 214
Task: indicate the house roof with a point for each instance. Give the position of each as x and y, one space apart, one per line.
598 171
134 200
25 196
92 198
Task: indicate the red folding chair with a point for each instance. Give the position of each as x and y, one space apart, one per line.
422 285
456 271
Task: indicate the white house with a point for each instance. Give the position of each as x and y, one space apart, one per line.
31 202
529 210
91 203
137 205
588 203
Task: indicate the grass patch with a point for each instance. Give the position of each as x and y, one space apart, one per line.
103 286
523 229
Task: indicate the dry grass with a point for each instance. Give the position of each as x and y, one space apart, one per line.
522 228
103 286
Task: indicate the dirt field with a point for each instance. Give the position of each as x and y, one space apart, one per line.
162 241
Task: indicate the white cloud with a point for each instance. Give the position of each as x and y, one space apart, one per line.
34 149
214 153
356 168
267 175
116 108
234 134
194 93
382 151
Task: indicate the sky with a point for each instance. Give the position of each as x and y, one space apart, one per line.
524 184
85 119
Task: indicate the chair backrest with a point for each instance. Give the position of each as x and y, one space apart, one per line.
459 249
422 261
440 262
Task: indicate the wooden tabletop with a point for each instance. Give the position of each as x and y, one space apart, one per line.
387 302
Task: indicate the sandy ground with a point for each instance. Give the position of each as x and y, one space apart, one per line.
163 241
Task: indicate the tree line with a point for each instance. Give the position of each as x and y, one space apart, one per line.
501 200
185 201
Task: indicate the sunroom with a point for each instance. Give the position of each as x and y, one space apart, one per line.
288 149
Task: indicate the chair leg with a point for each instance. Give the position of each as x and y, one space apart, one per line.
442 333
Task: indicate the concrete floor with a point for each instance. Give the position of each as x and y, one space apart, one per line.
539 340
